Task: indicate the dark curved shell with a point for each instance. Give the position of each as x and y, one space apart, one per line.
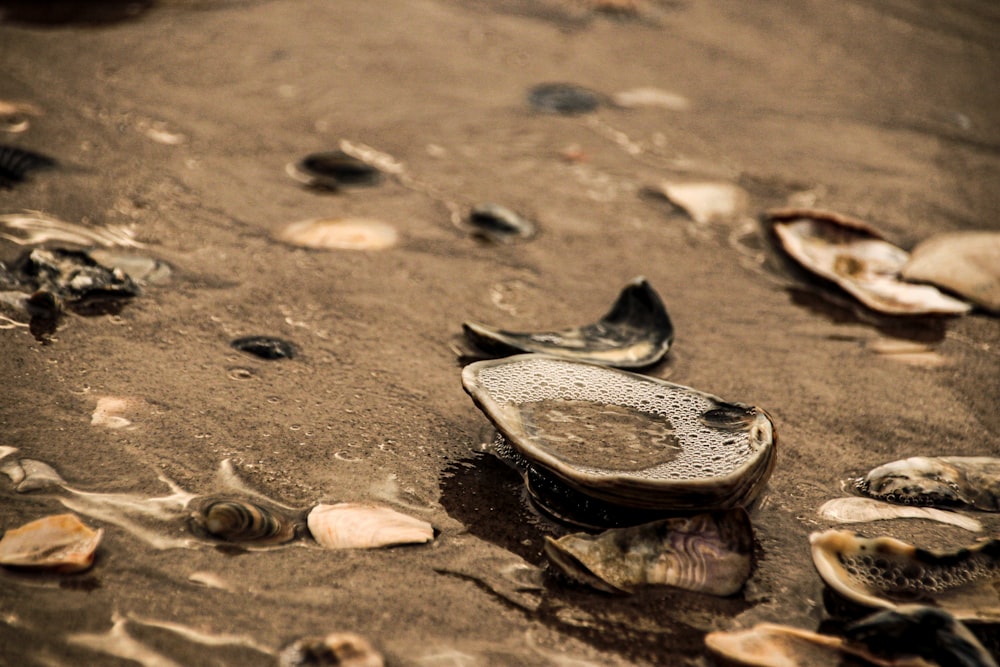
17 163
235 520
73 276
566 99
625 440
499 224
636 332
971 482
265 347
332 170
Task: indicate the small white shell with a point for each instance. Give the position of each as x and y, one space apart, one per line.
340 234
60 542
967 263
858 510
706 201
360 526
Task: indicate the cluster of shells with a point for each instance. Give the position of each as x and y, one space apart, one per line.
658 476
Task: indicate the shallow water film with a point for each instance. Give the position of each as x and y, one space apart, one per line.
169 125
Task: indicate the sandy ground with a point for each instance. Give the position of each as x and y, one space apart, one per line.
177 122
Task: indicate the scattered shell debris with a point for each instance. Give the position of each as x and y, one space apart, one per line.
365 526
636 332
61 543
854 256
862 510
340 234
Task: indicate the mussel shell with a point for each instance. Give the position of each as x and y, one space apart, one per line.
884 572
708 553
566 99
237 520
493 222
853 256
948 481
622 438
636 332
265 347
17 163
332 170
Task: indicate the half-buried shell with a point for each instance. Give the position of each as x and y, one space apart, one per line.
339 234
966 263
971 482
884 572
625 439
855 257
332 170
61 543
636 332
236 520
360 526
707 553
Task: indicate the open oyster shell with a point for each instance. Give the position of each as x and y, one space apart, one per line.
858 259
624 438
884 572
707 553
971 482
636 332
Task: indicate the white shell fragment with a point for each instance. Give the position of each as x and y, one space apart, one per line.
34 227
707 553
706 201
860 510
60 542
651 97
772 645
340 234
360 526
966 263
884 572
858 259
624 438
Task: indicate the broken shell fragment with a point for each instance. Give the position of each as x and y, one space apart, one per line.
16 164
971 482
60 542
636 332
884 572
360 526
499 224
339 234
706 201
859 260
265 347
337 649
235 520
707 553
965 263
563 98
332 170
75 278
860 510
621 438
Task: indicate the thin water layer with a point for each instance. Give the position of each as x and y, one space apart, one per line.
600 436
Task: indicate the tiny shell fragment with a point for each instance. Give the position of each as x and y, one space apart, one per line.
706 201
60 542
860 510
340 234
359 526
651 97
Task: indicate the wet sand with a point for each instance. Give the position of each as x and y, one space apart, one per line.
177 122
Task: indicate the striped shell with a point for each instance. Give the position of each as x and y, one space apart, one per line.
708 553
243 521
359 526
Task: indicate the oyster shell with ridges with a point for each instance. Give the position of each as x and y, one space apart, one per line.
636 332
623 438
707 553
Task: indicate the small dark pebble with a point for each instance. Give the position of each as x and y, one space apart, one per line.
265 347
17 163
333 170
563 98
493 222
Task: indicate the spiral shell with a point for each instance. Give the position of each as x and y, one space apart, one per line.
236 520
